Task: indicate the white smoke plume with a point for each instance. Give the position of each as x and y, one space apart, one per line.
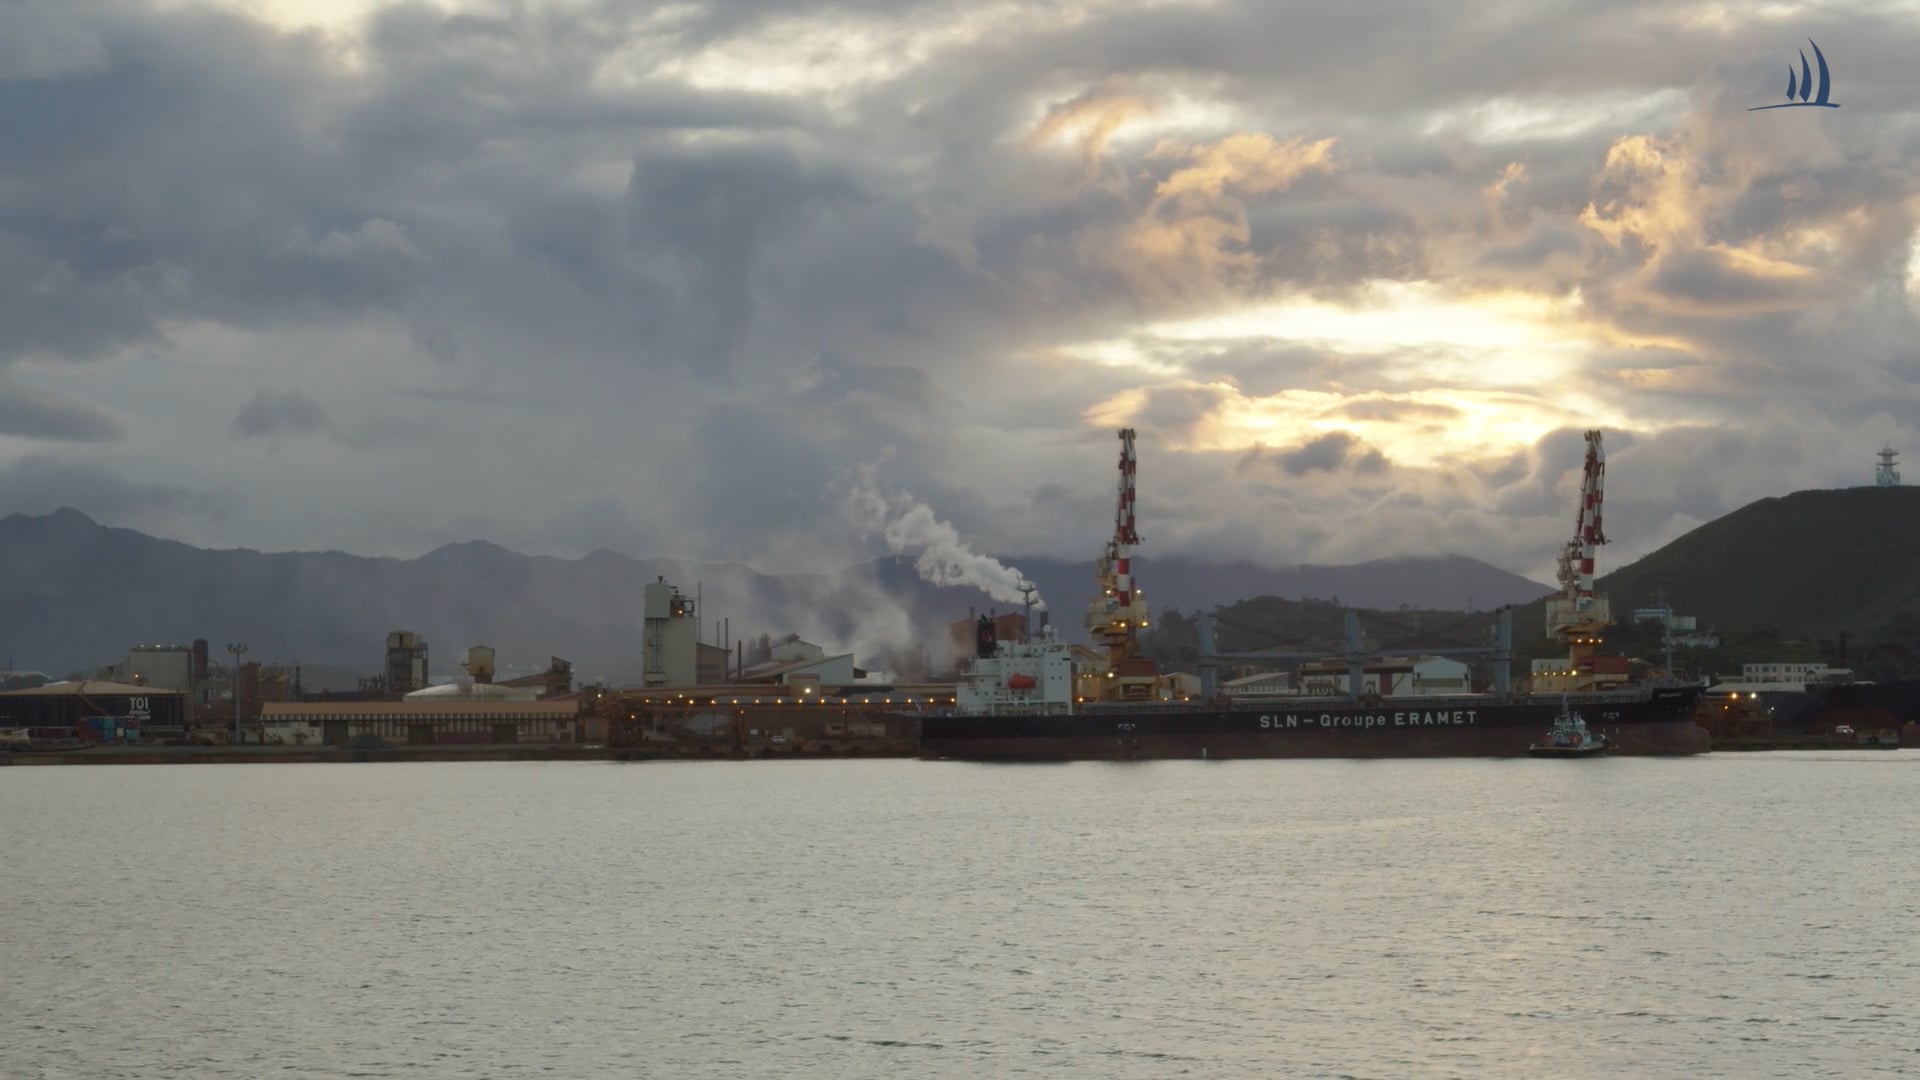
910 526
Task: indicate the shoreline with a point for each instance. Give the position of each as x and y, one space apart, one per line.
895 749
301 755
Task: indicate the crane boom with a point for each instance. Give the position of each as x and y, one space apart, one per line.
1118 613
1576 561
1576 617
1124 534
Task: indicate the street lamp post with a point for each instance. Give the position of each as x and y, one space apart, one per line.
238 649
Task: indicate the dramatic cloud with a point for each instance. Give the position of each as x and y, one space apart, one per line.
661 279
1330 453
36 414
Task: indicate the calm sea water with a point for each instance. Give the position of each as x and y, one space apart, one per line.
1725 916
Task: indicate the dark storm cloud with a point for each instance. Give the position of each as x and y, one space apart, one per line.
1336 451
1536 481
1706 282
271 412
717 215
209 166
177 177
36 414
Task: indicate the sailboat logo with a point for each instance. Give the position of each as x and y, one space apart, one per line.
1800 85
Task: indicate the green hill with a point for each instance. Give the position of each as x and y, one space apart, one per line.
1779 579
1808 565
1315 626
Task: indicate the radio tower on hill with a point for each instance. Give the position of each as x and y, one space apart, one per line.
1576 617
1885 474
1120 611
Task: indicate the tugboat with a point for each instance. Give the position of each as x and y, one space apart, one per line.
1570 738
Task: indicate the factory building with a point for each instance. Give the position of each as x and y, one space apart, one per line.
814 671
95 709
670 638
556 681
420 722
166 667
795 662
711 665
479 664
406 662
474 691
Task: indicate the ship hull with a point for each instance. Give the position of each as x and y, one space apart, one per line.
1659 724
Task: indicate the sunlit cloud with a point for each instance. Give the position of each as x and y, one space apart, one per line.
1395 313
1421 429
1510 120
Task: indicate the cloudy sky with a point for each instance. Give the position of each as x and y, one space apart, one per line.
664 278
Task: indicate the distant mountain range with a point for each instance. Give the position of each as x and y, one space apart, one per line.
75 594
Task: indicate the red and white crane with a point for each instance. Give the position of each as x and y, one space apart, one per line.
1124 534
1576 561
1576 617
1119 612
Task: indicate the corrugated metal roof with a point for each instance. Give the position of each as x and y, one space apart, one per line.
306 710
775 668
91 686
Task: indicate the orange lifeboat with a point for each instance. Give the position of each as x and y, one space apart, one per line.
1020 682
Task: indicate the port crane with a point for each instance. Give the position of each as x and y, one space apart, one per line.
1576 616
1119 612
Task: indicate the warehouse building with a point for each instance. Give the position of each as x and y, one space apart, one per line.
428 722
92 708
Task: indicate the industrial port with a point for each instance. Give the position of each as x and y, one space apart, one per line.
701 699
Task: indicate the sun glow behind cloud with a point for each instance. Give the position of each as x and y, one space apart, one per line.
1466 378
1491 339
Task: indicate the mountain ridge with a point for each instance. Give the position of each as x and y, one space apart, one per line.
81 592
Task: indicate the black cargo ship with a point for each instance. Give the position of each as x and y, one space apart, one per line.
1652 720
1017 703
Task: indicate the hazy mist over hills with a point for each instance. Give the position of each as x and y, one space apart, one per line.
78 593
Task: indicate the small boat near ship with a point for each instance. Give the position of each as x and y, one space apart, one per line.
1569 738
